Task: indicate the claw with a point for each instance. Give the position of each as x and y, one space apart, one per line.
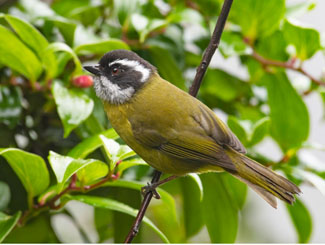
150 188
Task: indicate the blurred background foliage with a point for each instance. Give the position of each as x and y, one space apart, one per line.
57 147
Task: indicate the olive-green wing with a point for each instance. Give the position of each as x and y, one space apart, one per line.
186 145
216 129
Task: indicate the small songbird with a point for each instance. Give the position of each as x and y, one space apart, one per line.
174 132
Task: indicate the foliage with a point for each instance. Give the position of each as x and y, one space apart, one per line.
57 144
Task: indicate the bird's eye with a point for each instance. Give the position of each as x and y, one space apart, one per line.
115 71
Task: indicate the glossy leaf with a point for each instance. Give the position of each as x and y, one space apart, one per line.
90 144
37 230
28 34
7 223
130 163
5 195
36 41
259 131
219 209
30 168
302 220
136 185
92 172
232 44
257 18
116 206
238 129
193 217
17 56
273 46
73 106
101 47
167 66
116 152
10 105
305 40
64 167
164 211
62 47
219 84
285 104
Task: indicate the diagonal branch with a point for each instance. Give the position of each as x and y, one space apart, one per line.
287 65
212 47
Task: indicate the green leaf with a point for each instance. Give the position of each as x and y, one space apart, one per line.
219 84
136 185
121 221
305 40
192 197
219 209
118 207
116 152
64 167
289 114
36 41
17 56
4 195
7 223
232 43
28 34
237 190
124 8
130 163
10 105
37 230
257 18
100 47
91 144
302 220
73 106
56 47
260 129
92 172
66 27
167 66
238 129
273 46
30 168
164 211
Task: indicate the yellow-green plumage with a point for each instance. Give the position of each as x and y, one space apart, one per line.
177 134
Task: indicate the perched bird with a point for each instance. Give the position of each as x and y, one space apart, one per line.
174 132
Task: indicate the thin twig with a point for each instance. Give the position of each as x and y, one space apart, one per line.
213 45
287 65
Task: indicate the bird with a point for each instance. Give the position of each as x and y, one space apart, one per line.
174 132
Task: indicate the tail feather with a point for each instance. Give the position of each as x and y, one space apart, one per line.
262 179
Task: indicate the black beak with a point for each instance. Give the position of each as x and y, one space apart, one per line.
94 69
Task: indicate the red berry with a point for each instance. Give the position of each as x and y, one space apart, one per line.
83 81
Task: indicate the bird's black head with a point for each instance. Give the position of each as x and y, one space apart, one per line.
119 74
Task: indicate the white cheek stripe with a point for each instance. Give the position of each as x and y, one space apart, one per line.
136 66
112 92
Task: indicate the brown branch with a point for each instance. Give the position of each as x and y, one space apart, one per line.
212 47
287 65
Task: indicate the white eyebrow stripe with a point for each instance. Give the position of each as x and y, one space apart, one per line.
136 65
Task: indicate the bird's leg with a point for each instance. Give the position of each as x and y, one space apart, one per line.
151 187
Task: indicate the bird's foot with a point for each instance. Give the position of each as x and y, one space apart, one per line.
150 188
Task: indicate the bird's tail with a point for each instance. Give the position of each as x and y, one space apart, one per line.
263 180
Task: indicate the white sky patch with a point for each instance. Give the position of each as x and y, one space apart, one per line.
136 66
